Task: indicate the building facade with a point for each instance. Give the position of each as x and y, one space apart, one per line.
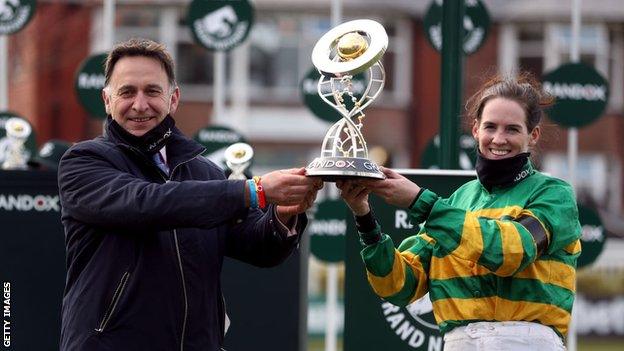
263 76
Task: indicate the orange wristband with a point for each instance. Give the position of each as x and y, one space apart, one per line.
260 192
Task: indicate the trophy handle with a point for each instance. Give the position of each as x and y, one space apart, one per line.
376 82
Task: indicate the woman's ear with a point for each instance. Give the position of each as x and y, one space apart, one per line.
534 136
475 129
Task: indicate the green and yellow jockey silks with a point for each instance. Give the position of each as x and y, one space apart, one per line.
503 255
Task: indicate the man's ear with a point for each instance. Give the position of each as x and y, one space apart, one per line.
174 101
106 99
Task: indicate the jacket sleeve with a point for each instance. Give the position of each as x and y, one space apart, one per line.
508 244
259 241
95 191
399 276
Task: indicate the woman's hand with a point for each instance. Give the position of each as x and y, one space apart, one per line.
355 195
395 189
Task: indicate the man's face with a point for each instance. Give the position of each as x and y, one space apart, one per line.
138 95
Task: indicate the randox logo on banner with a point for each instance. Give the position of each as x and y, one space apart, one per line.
89 83
26 202
414 324
311 98
581 94
15 14
220 24
476 25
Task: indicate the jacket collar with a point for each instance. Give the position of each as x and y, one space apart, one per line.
526 171
180 149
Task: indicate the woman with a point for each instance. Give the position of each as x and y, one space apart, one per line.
498 256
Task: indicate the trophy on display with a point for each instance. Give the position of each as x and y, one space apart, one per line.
346 50
238 157
17 131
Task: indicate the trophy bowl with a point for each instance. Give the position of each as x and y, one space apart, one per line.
17 131
238 157
344 51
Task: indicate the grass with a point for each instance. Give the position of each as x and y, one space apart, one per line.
600 344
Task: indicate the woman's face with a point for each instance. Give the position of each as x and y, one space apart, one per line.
502 131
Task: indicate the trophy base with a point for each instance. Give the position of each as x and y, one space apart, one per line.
331 169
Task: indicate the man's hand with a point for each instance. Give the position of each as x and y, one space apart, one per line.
291 190
285 213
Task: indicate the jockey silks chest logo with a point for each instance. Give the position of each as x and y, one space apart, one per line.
14 14
414 324
523 174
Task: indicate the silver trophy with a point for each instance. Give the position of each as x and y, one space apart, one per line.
17 131
346 50
238 157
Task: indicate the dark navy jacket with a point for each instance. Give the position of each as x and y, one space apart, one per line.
144 253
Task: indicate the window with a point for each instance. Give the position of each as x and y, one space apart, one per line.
540 47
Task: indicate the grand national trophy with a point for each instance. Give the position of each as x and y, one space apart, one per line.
346 50
238 157
17 131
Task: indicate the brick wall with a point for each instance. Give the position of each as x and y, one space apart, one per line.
43 59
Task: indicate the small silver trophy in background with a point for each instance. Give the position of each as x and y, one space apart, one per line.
346 50
17 131
238 157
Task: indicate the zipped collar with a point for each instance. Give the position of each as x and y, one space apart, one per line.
526 171
180 149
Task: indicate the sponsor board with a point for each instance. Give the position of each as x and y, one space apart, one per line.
476 25
15 14
220 24
581 94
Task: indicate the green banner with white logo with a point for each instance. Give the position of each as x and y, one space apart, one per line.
89 82
594 236
322 110
581 94
467 153
476 25
371 323
15 14
216 139
220 24
327 230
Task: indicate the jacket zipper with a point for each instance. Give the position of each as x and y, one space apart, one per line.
177 245
116 296
175 237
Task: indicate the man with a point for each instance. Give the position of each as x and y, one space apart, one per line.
148 220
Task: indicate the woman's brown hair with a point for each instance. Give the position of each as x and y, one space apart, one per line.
522 88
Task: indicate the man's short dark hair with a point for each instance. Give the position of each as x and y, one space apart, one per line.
140 47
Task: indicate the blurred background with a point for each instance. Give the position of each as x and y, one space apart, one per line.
263 102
